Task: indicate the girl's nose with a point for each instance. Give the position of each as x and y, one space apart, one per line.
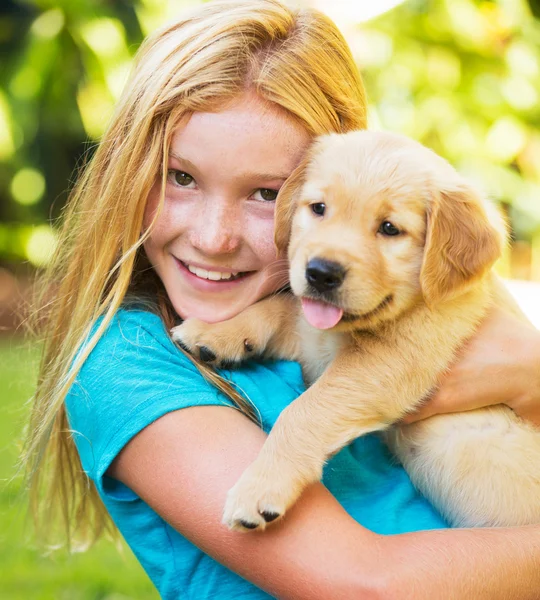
217 229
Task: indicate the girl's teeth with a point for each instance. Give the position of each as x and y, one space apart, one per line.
212 275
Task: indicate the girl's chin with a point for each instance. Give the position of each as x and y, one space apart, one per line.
209 314
216 309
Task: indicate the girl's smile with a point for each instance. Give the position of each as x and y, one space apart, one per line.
208 280
212 244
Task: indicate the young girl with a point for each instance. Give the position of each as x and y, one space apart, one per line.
173 219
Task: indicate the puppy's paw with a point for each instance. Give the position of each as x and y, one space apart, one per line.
256 501
216 343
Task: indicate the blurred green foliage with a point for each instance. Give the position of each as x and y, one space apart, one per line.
462 76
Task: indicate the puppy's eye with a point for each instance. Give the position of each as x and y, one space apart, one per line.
318 208
388 228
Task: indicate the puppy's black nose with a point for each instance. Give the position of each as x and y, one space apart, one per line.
324 275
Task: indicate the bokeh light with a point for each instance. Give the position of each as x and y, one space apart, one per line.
48 24
41 245
28 186
6 139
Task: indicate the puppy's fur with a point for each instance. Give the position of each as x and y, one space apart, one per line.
409 302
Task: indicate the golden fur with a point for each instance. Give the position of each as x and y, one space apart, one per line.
410 301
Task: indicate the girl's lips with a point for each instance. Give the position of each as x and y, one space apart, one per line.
209 285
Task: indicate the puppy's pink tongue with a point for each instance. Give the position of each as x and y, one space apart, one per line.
320 314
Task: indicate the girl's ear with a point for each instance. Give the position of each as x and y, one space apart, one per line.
286 204
462 243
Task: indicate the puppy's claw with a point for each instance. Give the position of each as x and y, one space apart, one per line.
248 524
244 522
243 519
181 344
205 354
227 364
269 516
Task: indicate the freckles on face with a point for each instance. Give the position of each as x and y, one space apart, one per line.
212 244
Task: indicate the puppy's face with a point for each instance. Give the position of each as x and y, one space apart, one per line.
365 210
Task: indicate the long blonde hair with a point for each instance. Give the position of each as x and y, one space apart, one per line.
295 58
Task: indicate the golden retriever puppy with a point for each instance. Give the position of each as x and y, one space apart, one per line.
390 256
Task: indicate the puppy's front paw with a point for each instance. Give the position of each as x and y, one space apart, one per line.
257 499
215 343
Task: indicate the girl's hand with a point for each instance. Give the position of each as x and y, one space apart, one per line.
499 365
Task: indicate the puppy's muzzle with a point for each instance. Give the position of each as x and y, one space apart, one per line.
324 275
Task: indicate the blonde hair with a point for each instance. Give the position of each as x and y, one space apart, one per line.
294 58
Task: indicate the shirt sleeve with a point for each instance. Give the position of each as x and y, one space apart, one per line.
133 376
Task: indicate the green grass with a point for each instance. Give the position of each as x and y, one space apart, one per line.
102 573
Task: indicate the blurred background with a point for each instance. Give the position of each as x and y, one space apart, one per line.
461 76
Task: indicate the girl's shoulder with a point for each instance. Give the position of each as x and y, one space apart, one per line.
131 377
133 346
133 327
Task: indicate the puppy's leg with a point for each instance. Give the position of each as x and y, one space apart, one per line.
346 402
266 328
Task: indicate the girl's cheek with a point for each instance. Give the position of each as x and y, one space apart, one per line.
262 239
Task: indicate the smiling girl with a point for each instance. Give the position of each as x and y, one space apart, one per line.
173 219
215 255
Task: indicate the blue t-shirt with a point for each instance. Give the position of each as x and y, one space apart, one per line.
135 375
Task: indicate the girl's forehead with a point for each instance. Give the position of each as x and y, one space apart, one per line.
249 127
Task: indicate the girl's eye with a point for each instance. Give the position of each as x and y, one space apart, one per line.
318 208
266 194
181 178
388 228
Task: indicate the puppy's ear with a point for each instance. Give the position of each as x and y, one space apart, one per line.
462 243
286 204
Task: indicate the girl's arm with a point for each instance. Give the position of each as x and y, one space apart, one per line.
185 462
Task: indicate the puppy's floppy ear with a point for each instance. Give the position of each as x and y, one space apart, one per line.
286 204
462 243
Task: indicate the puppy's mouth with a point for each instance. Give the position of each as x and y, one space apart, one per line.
324 315
350 316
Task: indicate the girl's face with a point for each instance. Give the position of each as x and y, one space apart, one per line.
213 243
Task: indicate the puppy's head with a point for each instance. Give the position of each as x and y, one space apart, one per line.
375 223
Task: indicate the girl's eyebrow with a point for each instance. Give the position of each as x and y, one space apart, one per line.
244 176
187 162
